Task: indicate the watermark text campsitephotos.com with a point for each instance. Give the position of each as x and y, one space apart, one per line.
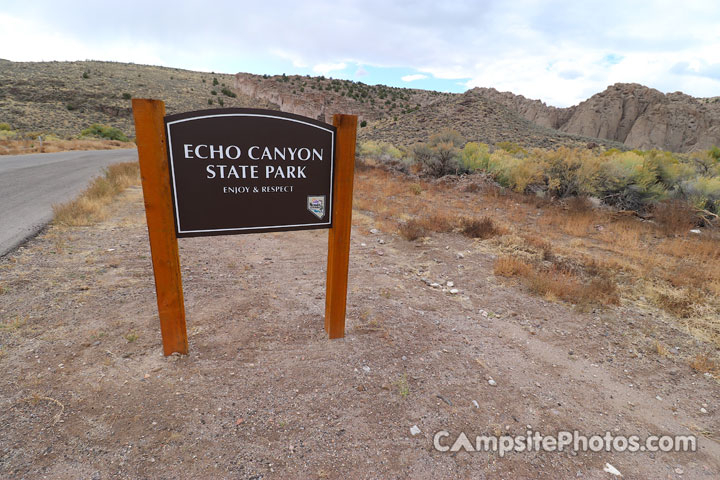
531 441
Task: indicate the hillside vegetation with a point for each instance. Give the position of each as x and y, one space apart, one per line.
64 98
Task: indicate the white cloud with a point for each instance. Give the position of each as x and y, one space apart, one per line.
412 78
327 68
559 51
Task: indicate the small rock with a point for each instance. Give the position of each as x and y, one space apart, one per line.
366 369
450 284
703 410
381 241
707 375
679 470
459 255
483 313
380 252
434 284
454 291
492 382
695 230
374 231
404 358
658 397
612 470
414 430
363 244
474 402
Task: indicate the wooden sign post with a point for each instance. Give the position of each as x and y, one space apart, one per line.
152 154
339 234
196 164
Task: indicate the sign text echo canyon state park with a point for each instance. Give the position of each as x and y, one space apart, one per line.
244 171
230 171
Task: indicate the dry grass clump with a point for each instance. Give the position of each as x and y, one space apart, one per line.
26 146
702 363
511 266
440 222
482 228
674 217
557 282
412 230
91 206
680 302
543 246
700 248
579 205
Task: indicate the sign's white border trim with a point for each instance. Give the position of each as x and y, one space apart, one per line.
172 172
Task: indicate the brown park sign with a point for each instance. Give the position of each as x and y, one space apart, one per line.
247 171
229 171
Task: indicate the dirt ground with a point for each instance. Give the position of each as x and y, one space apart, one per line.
85 391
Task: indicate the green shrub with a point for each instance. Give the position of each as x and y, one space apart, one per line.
228 93
474 156
215 81
380 151
363 124
213 92
5 127
104 131
7 134
511 147
221 102
126 96
210 101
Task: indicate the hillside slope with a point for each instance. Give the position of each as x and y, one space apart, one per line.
478 119
638 116
65 97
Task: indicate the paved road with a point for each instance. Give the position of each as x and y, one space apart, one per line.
31 184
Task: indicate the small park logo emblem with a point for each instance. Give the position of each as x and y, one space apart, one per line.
316 205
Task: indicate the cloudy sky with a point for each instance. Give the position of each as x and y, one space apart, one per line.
558 51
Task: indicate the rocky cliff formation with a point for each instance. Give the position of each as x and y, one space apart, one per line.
638 116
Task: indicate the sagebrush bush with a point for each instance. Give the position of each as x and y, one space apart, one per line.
104 131
440 156
479 228
412 230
